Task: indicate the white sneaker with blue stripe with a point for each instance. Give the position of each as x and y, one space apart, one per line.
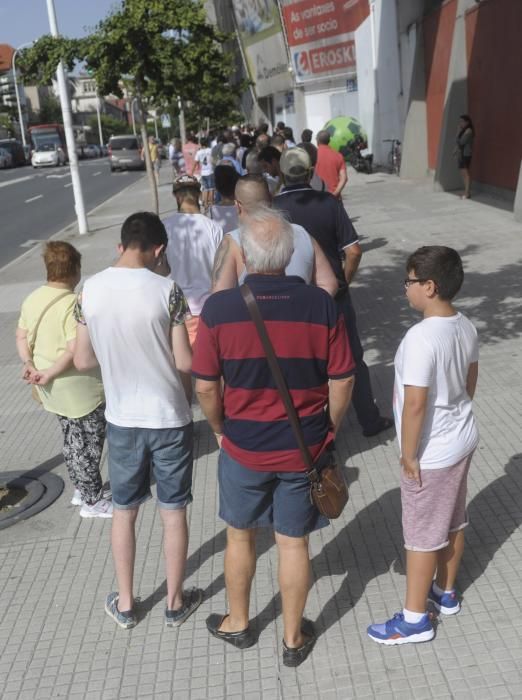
447 603
398 631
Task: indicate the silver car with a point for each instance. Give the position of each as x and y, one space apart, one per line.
125 153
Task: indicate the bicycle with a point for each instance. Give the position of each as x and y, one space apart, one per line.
394 157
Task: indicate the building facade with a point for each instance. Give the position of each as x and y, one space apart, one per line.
405 68
7 89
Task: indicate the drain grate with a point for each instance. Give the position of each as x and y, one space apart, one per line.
40 488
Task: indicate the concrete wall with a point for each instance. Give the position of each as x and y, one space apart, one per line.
379 77
325 100
366 82
388 78
415 139
494 70
447 175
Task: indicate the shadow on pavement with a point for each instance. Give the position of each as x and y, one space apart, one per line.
368 244
490 299
273 608
364 549
44 467
494 515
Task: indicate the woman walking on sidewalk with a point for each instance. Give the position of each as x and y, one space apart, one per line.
45 340
463 150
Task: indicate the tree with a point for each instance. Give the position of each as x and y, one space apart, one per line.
110 126
6 122
50 111
164 49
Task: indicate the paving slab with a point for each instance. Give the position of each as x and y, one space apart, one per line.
55 568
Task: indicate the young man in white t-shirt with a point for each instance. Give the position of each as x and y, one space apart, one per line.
204 158
132 322
436 370
193 240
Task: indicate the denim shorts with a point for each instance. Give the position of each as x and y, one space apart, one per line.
136 452
207 182
281 500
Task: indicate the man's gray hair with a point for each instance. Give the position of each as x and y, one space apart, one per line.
229 149
267 240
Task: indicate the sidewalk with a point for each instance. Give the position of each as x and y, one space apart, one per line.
56 569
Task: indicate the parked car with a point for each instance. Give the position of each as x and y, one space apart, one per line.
125 153
48 154
89 151
6 159
16 150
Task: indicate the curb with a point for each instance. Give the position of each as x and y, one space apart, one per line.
64 230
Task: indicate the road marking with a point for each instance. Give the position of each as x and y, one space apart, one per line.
18 179
32 199
98 173
59 177
29 243
69 184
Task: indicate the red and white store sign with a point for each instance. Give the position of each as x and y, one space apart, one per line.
320 35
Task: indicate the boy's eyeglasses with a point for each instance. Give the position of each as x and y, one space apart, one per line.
412 280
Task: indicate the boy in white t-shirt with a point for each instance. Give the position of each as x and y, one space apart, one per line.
204 158
436 370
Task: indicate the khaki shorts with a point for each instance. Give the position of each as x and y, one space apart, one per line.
431 511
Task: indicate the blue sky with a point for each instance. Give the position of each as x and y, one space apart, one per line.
22 21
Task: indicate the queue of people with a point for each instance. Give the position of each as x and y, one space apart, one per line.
118 362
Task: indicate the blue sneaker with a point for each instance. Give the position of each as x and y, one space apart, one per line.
447 603
126 620
398 631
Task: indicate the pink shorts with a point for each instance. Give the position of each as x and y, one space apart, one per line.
431 511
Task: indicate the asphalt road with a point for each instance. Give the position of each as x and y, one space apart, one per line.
35 204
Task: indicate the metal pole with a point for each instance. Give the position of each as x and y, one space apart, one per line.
132 117
83 226
17 93
182 132
100 132
156 126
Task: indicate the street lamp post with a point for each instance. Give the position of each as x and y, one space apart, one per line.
182 131
68 128
17 92
100 132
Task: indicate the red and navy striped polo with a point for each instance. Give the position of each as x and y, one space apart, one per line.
311 344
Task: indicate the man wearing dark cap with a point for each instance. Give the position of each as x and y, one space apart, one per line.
326 220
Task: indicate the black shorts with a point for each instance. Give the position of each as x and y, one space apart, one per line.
464 162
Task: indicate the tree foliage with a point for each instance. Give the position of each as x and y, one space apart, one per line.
50 111
164 49
110 126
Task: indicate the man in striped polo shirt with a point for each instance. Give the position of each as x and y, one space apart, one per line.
262 479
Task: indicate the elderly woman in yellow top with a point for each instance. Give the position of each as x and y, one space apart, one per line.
45 340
